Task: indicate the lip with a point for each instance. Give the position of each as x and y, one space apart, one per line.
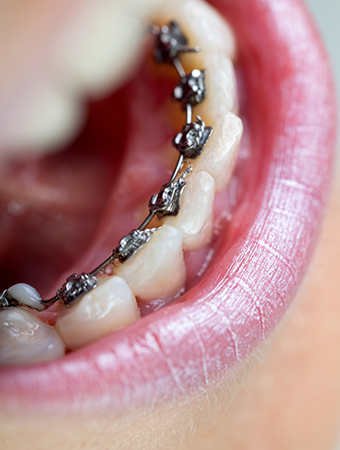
291 113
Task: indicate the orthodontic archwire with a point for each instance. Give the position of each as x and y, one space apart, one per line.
170 42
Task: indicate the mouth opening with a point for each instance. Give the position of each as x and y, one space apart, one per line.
65 212
272 210
52 206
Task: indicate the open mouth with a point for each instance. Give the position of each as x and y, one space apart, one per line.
272 212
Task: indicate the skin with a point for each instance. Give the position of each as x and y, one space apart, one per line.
293 376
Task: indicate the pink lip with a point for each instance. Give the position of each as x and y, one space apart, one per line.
291 113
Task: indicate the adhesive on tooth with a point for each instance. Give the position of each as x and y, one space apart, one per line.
167 202
132 242
75 287
192 139
191 88
170 41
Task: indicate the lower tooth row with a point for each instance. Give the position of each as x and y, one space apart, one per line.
157 270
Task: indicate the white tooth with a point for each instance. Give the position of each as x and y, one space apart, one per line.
219 155
194 220
27 295
220 81
106 308
207 28
47 120
25 339
157 270
209 31
93 50
101 44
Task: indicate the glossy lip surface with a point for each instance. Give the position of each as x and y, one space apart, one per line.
291 115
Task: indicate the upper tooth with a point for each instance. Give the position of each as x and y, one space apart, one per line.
91 51
97 47
101 43
107 308
47 120
157 270
194 220
25 339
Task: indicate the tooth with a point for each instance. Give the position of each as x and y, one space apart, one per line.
25 339
102 43
47 120
106 308
221 86
27 295
219 155
212 34
194 220
95 47
157 270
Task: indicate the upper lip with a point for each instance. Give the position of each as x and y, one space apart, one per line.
261 260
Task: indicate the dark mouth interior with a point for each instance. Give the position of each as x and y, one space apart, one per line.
53 209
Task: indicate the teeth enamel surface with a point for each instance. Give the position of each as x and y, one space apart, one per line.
52 120
46 120
27 295
209 31
24 339
221 86
219 155
194 220
157 270
102 43
106 308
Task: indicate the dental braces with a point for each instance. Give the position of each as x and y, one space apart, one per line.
170 41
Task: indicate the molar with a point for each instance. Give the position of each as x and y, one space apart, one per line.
157 270
106 308
24 339
194 220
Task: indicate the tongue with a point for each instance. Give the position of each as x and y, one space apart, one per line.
66 212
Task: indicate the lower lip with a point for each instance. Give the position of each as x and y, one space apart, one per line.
290 110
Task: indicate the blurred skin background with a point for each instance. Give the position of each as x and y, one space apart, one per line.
292 399
327 14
